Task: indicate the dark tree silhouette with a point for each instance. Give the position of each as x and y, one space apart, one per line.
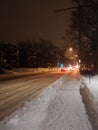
88 29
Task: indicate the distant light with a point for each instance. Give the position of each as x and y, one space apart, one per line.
79 61
90 54
77 66
70 49
61 65
70 65
76 55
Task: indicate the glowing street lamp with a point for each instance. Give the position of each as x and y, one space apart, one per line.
70 49
76 56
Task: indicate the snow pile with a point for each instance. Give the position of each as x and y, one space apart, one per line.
92 84
19 72
58 107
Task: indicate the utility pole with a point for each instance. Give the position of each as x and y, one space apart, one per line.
79 29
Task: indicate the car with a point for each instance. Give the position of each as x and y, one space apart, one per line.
63 69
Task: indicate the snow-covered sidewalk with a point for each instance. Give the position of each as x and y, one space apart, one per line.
58 107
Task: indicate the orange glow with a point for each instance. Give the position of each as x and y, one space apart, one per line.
70 49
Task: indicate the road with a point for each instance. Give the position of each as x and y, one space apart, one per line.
14 93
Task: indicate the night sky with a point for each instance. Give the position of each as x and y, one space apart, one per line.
22 20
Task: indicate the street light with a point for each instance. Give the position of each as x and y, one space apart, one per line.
76 56
70 49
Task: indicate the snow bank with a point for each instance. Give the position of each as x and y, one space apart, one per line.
92 85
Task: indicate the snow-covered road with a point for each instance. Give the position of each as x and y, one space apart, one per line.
58 107
13 93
